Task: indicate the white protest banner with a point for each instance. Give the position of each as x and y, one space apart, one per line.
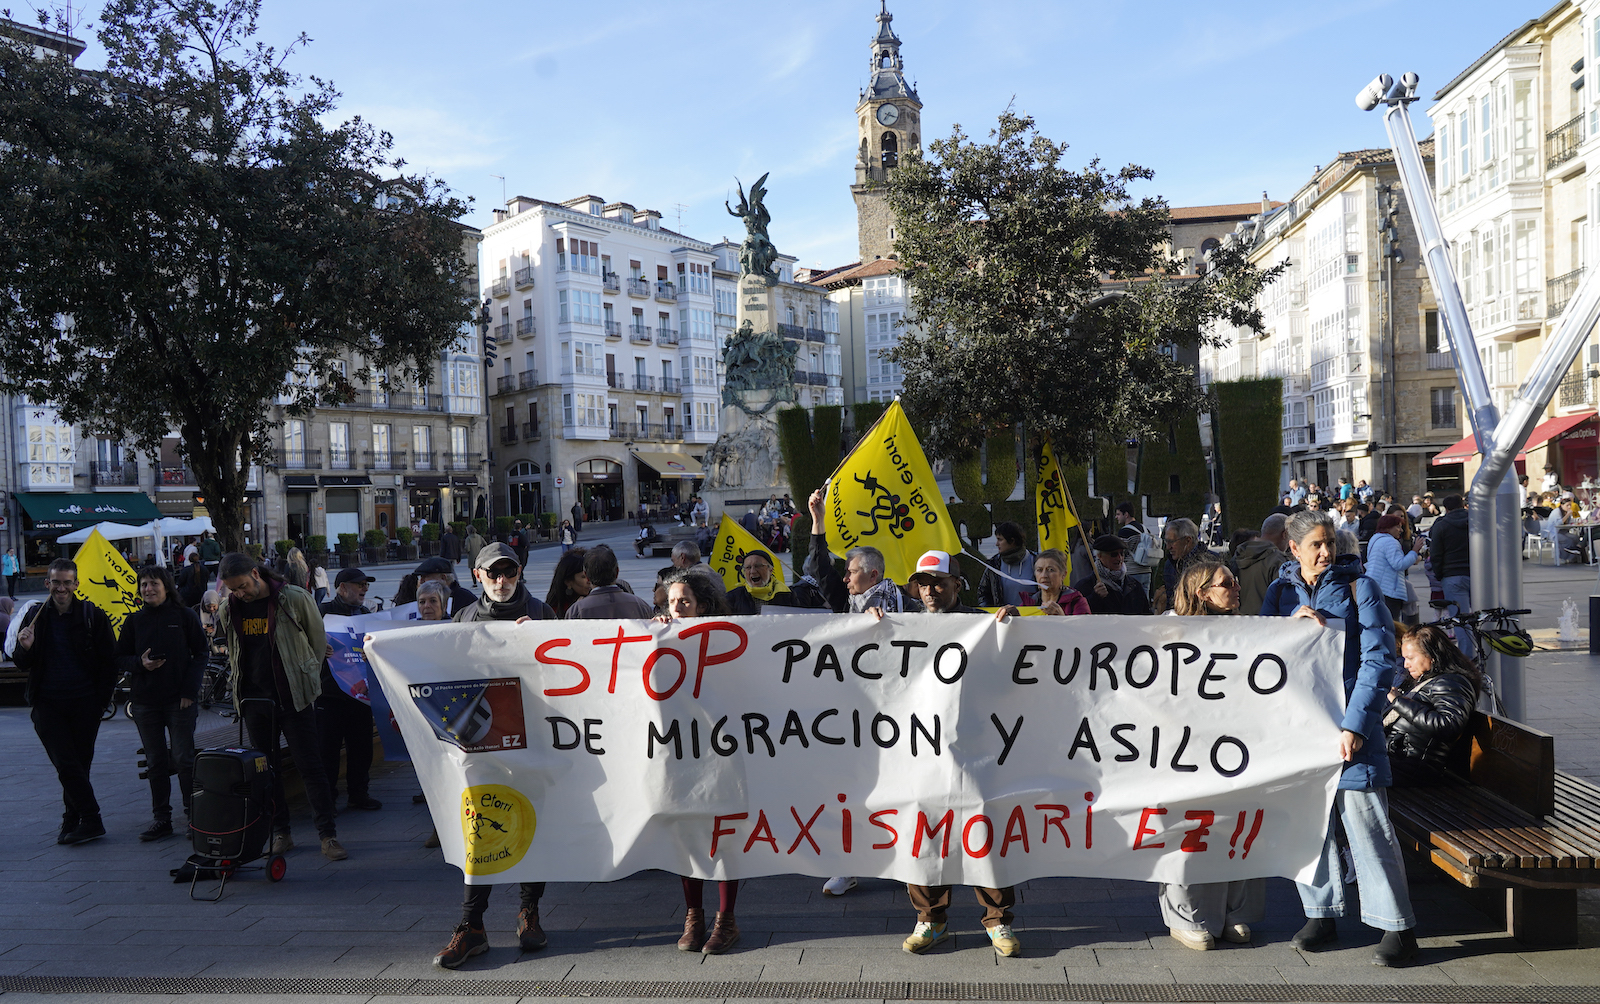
928 748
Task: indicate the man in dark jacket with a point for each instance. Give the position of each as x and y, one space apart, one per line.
938 580
163 650
342 720
1451 555
1258 561
68 650
1113 590
761 588
1009 579
192 582
505 598
440 570
210 553
450 546
606 599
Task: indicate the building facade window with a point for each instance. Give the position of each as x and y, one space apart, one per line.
1442 404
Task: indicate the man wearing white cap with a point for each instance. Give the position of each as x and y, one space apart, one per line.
938 580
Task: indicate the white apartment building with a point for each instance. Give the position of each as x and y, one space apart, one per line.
1515 133
607 328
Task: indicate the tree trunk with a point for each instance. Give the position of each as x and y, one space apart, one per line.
214 457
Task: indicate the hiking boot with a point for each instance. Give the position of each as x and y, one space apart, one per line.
282 843
158 830
694 931
90 829
1005 941
363 802
1396 949
333 850
1200 941
924 936
530 936
465 942
1318 931
838 885
724 935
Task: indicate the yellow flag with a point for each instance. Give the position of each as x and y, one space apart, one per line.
105 580
884 496
1050 503
727 555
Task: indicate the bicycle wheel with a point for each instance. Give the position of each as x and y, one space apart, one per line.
110 712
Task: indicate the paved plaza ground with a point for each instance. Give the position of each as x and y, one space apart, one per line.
104 920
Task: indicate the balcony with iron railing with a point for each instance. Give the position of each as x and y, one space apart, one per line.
639 287
526 327
530 431
1577 389
1562 143
501 287
666 336
524 278
1559 290
666 291
508 434
341 459
816 335
671 385
422 460
505 384
181 475
461 462
614 330
386 460
1441 360
612 282
643 382
617 381
527 379
502 333
110 473
795 331
639 334
298 460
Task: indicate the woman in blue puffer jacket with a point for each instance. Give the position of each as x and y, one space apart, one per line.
1318 585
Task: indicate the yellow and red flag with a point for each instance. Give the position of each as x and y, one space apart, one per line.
883 495
105 580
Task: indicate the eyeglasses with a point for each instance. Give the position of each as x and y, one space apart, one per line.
1229 583
501 573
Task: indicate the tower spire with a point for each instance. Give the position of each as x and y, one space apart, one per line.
887 73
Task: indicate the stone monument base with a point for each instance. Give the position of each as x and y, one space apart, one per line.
745 462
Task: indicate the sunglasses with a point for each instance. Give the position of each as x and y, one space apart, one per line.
501 573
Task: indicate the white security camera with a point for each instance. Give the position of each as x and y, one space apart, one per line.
1410 81
1373 93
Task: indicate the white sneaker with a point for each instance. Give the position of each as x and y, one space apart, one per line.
838 885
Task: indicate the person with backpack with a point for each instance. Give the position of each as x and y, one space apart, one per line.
1141 554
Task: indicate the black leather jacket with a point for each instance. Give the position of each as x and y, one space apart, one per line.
1430 719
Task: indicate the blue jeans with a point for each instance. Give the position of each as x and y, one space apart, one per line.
156 722
1380 872
1458 591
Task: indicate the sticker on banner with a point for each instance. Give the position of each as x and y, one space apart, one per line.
497 823
479 716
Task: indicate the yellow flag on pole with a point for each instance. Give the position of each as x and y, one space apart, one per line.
727 555
884 496
105 580
1050 503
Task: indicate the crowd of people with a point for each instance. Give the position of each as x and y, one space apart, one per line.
1342 554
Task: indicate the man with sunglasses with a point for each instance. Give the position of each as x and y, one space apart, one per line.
505 598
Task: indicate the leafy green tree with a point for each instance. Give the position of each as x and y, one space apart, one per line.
187 240
1006 252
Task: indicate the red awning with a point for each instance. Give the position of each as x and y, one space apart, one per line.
1542 433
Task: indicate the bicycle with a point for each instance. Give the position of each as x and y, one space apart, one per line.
216 687
1492 628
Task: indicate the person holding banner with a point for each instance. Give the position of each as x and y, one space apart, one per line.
864 586
1198 914
505 598
938 579
1319 586
68 650
164 651
342 718
690 594
762 589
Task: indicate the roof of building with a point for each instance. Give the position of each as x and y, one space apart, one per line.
1441 92
1238 210
847 275
614 219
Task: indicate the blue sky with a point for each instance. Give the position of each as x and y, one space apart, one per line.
661 105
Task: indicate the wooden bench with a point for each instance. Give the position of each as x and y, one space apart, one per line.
1511 825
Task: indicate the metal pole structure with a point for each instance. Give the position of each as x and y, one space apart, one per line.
1494 519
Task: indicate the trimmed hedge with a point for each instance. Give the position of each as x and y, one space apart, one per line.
1247 429
811 444
1172 471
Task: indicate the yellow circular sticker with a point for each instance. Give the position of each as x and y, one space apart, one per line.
498 824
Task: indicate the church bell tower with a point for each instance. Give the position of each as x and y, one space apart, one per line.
888 125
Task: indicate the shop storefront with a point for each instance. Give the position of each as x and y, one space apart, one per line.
666 481
600 490
1569 444
298 492
424 498
45 516
342 504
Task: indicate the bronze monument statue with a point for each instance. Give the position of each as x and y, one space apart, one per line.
757 361
756 254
